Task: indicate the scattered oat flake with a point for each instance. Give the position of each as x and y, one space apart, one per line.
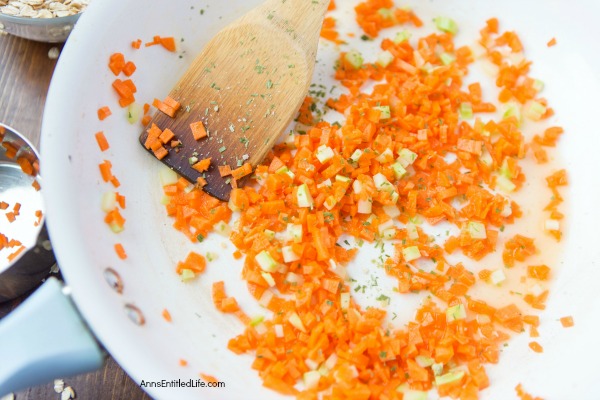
67 393
567 321
59 384
53 53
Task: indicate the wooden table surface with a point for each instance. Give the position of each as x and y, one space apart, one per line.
25 72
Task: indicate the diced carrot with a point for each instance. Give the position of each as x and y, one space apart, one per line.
120 251
102 142
535 346
202 165
551 42
167 315
129 68
136 44
198 130
168 43
103 113
567 322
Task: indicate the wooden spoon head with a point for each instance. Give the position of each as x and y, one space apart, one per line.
245 87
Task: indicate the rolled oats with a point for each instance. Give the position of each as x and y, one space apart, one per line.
42 8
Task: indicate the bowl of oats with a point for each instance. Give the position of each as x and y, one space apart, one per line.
41 20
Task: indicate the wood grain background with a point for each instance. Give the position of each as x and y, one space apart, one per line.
25 73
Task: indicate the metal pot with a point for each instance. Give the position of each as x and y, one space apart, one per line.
33 263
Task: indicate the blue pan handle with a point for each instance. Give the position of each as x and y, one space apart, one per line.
45 338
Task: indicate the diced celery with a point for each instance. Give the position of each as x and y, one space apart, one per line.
401 37
386 156
456 312
186 275
512 110
304 197
497 277
505 184
476 230
365 206
269 233
389 234
438 368
424 361
311 379
538 85
356 155
406 157
465 110
354 58
289 255
134 111
278 330
294 232
386 225
534 110
344 300
552 225
391 211
324 153
411 394
268 278
332 359
257 320
412 232
266 261
398 169
446 24
386 13
385 112
296 322
381 183
342 178
447 58
109 201
411 253
449 377
222 228
385 58
486 157
285 170
167 176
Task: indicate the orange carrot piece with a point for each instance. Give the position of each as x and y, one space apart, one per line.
551 42
224 170
535 346
36 185
102 142
166 136
182 362
3 205
103 113
105 170
16 208
198 130
129 68
242 171
136 44
120 251
146 120
202 165
15 254
208 378
168 43
166 315
567 322
11 217
161 152
25 165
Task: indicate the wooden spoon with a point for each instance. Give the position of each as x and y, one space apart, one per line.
245 87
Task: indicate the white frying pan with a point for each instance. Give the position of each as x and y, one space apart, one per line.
199 334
